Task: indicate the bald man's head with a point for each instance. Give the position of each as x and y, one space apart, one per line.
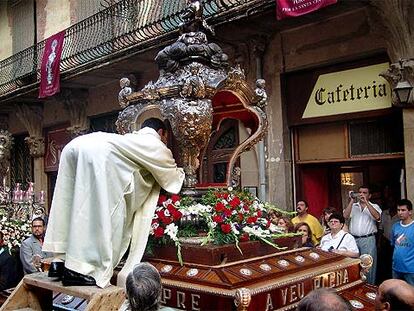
395 295
323 299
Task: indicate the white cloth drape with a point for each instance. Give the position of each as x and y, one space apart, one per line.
105 196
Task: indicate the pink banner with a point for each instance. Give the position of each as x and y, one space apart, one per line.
50 71
292 8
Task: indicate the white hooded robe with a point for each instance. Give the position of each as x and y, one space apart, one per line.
105 197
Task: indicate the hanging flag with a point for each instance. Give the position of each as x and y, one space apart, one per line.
50 69
292 8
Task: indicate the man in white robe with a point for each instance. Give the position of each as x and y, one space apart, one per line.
105 197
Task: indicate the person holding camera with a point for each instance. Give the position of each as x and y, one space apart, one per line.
364 216
337 240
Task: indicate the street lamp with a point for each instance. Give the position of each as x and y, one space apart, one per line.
403 88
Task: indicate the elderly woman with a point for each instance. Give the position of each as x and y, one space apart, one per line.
339 241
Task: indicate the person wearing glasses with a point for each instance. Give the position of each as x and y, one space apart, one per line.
31 249
338 241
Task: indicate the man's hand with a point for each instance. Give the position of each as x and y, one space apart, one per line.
363 199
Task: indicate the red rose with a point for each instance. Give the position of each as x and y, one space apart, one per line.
166 220
159 232
234 202
225 196
162 198
171 208
175 198
227 212
259 213
244 237
246 208
251 220
226 228
161 214
241 217
218 219
176 214
220 207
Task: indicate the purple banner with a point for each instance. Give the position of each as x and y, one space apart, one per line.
50 71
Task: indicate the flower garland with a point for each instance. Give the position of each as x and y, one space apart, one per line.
221 217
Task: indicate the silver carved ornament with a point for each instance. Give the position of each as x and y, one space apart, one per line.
125 91
242 299
190 116
366 264
193 73
6 142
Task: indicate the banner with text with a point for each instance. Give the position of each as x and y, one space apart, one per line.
50 68
293 8
354 90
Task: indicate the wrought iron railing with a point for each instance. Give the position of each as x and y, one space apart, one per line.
125 26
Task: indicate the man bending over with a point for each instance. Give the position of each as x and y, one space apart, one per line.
106 193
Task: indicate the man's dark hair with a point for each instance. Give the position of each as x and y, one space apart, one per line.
338 216
406 203
154 123
38 219
306 203
143 288
396 304
323 299
365 187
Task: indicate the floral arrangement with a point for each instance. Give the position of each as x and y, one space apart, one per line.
14 231
220 217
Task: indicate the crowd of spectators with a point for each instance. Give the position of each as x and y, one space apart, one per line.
331 234
358 229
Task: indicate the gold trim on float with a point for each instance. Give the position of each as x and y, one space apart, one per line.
337 289
288 279
242 261
264 286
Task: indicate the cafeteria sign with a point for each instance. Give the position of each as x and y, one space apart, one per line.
348 91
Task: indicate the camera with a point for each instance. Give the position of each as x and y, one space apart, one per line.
354 195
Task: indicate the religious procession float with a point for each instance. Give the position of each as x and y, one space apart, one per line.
214 245
216 249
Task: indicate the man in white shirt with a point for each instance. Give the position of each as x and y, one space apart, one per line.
364 216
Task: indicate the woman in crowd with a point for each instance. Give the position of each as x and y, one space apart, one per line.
286 224
326 213
304 228
274 217
339 241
